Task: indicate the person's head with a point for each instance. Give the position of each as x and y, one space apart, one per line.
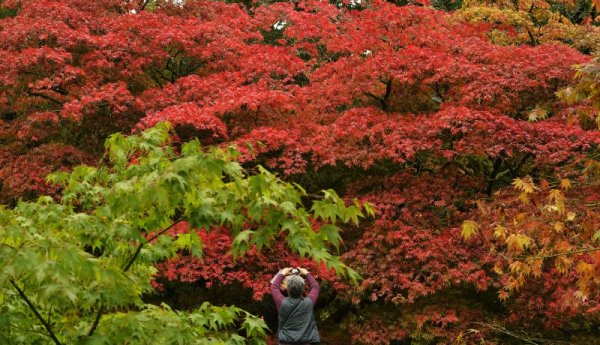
295 286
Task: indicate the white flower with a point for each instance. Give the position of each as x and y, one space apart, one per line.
367 52
133 11
279 25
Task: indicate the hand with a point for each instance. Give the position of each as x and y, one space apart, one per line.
303 271
286 271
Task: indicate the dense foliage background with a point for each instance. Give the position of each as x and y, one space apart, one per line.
463 123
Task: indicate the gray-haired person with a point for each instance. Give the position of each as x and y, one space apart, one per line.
297 324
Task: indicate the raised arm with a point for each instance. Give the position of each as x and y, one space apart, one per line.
275 291
313 293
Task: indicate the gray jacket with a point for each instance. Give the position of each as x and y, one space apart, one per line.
297 324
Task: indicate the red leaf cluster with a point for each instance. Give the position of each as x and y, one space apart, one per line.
405 106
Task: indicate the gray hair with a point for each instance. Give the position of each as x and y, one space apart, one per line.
295 286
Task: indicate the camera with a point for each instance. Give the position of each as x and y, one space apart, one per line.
295 271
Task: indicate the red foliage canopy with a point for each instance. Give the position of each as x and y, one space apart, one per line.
406 107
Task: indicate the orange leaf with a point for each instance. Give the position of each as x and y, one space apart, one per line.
566 183
502 295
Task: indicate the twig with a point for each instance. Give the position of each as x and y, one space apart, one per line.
578 251
523 336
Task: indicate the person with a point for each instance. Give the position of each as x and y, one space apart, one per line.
297 324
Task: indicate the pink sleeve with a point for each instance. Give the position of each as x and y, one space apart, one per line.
275 292
313 293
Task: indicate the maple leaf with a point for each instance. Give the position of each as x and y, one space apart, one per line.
469 228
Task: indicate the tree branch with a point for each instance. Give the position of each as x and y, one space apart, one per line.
578 251
128 266
523 337
383 101
46 97
493 175
35 312
522 161
388 92
139 248
96 322
379 99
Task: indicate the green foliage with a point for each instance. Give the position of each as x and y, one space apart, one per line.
162 325
74 270
7 11
447 5
575 11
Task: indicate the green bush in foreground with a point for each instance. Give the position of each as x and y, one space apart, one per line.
74 271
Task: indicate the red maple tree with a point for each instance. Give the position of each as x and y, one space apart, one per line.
404 106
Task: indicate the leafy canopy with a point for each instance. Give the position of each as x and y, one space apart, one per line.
74 271
420 111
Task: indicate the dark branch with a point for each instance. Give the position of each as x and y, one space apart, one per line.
128 266
388 92
96 322
493 175
141 245
375 96
383 101
522 161
46 97
35 312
